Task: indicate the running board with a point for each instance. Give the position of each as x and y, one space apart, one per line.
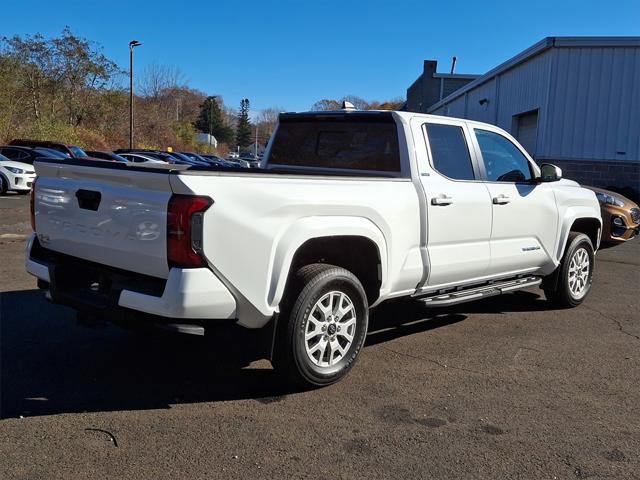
476 293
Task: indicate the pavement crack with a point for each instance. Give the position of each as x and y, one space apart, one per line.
633 264
430 360
614 321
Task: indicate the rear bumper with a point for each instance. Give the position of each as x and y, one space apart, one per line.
193 294
189 293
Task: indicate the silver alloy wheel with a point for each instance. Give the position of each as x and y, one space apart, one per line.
579 268
330 329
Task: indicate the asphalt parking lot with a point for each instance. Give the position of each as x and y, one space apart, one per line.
503 388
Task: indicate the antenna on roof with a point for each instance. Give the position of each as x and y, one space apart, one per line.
348 105
453 64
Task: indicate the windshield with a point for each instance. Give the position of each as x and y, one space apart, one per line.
77 151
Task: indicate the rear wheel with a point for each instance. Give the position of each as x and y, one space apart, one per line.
575 273
323 326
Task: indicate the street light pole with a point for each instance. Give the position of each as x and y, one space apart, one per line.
132 45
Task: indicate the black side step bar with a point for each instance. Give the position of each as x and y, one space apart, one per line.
476 293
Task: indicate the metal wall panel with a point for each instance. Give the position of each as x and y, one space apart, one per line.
456 108
485 111
594 107
523 89
587 98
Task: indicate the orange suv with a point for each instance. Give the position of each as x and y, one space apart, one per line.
620 217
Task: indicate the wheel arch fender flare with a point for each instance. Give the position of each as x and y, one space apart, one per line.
573 215
309 228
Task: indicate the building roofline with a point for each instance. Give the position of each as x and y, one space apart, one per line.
537 48
456 75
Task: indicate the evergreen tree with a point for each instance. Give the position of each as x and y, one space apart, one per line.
243 129
210 121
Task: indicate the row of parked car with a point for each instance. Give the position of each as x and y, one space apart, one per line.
620 216
17 172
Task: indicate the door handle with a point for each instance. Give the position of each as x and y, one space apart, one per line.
501 200
441 200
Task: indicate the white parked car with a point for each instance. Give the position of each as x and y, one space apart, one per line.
352 209
15 176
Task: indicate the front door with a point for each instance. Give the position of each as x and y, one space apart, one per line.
525 216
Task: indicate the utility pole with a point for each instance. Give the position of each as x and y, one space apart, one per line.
132 45
256 151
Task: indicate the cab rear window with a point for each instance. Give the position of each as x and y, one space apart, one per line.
341 142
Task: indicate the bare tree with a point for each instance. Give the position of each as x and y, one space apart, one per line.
325 104
358 102
157 79
266 122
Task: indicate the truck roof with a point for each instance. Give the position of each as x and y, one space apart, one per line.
370 114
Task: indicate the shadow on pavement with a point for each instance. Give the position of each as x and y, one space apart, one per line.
51 365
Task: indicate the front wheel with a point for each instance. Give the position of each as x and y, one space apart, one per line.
575 273
324 325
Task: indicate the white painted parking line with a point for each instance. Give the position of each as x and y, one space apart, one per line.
12 236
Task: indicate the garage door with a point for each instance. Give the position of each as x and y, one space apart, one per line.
527 131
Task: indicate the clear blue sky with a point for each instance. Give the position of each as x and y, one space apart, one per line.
290 53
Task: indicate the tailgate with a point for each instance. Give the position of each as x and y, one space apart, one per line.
112 216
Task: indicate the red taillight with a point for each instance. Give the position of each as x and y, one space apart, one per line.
184 230
32 204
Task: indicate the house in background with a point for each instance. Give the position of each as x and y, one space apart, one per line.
207 139
431 87
571 101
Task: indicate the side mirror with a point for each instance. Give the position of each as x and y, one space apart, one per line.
550 173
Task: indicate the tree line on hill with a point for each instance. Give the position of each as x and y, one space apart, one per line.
64 88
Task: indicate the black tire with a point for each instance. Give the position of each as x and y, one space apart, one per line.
561 294
4 185
307 288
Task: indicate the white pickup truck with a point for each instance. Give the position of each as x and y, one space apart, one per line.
349 209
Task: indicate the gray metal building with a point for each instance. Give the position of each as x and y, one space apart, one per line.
572 101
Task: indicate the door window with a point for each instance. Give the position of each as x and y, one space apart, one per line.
503 161
14 153
449 151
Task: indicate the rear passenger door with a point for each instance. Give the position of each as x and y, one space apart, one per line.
525 215
458 210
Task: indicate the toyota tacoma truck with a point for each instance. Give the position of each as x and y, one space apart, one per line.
348 210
